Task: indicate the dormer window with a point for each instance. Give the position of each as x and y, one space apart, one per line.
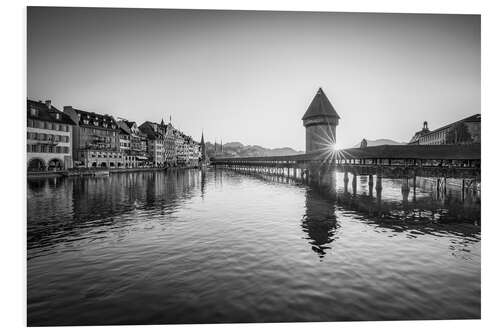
33 112
58 116
86 121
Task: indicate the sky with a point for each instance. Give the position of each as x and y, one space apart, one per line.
249 76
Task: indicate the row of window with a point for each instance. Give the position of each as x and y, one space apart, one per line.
438 136
47 137
103 155
48 125
97 131
38 148
96 123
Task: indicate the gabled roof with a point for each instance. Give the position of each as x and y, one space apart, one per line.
147 128
43 113
96 120
124 126
320 106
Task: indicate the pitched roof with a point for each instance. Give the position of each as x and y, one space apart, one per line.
124 126
43 113
147 128
320 106
438 152
96 120
471 119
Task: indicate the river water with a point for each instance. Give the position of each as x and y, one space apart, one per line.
218 246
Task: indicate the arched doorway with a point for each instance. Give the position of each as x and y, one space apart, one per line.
36 164
94 165
111 164
55 164
103 165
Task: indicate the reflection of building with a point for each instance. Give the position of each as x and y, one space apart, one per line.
464 131
49 133
96 141
320 121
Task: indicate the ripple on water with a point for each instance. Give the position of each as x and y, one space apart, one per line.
218 246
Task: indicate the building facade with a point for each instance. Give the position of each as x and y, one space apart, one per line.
464 131
169 144
135 152
155 140
96 139
49 137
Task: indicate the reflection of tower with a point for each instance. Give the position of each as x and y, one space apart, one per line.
319 222
320 121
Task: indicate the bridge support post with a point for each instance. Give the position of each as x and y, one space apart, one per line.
378 186
405 189
370 185
354 183
414 188
346 181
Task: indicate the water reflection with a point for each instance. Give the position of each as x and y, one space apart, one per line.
219 246
57 213
319 222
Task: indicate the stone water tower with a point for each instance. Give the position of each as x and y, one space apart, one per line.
320 121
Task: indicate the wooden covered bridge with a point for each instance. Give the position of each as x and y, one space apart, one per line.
391 161
458 161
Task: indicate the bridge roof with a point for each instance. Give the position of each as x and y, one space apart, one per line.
436 152
419 152
320 106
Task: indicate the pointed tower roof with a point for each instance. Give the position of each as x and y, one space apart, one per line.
202 139
320 106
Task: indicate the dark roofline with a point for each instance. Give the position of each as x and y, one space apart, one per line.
435 152
320 106
44 113
472 119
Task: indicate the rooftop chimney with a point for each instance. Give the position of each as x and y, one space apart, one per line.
49 104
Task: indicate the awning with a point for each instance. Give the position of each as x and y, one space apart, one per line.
141 158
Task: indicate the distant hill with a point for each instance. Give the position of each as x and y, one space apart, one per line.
380 142
237 149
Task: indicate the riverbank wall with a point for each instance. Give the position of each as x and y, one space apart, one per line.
96 172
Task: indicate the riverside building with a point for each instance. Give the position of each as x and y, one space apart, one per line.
464 131
96 139
155 139
49 137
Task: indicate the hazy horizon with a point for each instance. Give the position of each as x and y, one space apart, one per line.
248 76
